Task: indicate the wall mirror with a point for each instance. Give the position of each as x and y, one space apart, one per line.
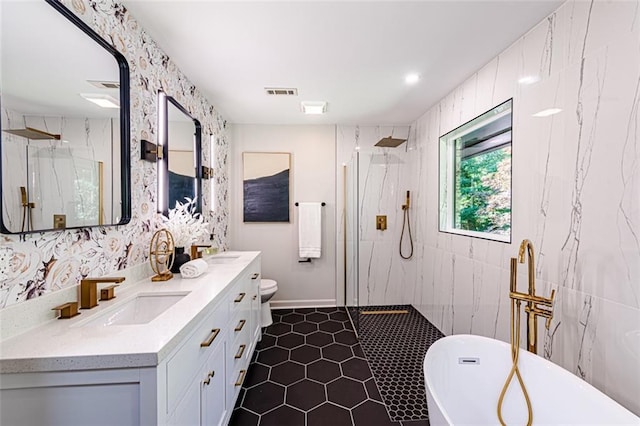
65 122
180 170
475 176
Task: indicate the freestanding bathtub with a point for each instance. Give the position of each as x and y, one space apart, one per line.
464 375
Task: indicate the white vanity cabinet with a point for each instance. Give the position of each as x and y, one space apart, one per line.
256 308
242 331
204 402
195 379
227 338
194 369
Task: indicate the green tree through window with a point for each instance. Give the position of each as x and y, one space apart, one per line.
482 198
475 176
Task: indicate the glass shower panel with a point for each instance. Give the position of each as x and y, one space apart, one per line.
352 239
50 171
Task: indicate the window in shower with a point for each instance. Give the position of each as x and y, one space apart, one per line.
475 176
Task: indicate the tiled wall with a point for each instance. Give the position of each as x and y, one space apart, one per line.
576 195
44 262
45 166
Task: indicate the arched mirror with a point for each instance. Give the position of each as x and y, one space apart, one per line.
65 122
180 170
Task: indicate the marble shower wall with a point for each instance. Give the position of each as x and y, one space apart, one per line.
576 195
383 177
46 167
41 263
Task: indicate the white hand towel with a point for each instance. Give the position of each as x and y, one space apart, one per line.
310 229
194 268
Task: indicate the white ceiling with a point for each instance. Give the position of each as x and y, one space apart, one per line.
47 62
352 54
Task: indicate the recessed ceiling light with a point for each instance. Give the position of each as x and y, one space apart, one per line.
547 112
313 107
412 78
105 101
529 79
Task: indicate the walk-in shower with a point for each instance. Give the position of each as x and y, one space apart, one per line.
375 186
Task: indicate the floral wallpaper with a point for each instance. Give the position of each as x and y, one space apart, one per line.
36 264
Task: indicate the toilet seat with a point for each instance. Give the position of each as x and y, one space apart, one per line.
267 286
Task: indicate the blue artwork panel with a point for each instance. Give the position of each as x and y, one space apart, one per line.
266 198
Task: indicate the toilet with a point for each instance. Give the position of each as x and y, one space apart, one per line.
267 289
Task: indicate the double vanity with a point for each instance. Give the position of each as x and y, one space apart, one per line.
159 353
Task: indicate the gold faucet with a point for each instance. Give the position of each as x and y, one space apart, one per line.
89 290
536 305
195 253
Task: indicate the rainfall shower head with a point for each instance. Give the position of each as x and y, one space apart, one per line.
390 142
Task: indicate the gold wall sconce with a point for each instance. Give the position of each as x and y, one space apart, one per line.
149 151
207 172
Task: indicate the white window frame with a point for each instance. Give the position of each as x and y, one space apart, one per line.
448 169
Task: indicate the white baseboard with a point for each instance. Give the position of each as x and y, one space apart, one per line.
291 304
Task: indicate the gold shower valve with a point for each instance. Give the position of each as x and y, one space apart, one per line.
381 222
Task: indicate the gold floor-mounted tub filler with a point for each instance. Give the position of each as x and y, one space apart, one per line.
535 306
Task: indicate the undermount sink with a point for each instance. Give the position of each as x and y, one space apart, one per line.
222 259
142 309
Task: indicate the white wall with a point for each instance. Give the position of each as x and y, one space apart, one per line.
313 159
576 195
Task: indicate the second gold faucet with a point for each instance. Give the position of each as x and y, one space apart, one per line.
89 290
533 308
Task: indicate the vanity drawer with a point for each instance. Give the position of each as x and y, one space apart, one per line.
185 363
237 367
239 297
239 346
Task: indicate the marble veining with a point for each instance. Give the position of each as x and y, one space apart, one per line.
575 195
382 177
584 150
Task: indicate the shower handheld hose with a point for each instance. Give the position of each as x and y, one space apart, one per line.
407 223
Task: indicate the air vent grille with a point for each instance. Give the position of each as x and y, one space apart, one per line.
281 91
104 84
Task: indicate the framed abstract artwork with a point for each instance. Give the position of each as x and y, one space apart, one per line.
266 186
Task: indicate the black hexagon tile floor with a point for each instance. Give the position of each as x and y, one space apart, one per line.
395 345
310 370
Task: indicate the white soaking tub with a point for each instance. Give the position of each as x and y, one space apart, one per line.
464 375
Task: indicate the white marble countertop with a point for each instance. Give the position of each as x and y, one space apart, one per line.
61 345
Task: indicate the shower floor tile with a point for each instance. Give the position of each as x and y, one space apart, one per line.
395 345
309 369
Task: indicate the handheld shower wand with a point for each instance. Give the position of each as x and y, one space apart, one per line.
405 221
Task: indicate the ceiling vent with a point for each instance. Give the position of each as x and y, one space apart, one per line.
281 91
104 84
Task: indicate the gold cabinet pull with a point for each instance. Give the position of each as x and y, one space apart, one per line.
240 325
211 338
255 276
240 351
209 377
240 297
241 377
